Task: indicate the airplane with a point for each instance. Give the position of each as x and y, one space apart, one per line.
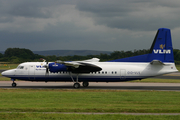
158 61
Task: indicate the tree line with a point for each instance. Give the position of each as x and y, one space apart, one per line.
19 55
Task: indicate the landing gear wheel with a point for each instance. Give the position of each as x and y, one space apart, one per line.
85 84
76 85
14 84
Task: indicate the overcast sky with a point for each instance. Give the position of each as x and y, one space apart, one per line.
108 25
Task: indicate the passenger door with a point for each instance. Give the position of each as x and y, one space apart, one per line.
31 72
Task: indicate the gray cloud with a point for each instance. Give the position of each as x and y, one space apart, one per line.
86 24
29 10
133 15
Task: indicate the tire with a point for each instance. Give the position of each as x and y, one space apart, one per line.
85 84
14 84
76 85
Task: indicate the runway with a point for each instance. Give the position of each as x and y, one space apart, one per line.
93 85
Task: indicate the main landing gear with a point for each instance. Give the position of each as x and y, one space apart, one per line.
84 84
76 84
13 84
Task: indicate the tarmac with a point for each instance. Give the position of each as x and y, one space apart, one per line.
93 85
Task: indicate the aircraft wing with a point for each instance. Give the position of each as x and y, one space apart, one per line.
84 66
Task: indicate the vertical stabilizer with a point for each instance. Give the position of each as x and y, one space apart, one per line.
161 48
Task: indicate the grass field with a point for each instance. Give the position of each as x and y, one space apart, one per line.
42 116
178 67
6 66
155 80
34 103
34 100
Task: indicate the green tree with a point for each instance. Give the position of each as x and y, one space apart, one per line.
20 53
1 55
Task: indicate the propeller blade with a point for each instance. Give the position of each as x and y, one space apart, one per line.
47 68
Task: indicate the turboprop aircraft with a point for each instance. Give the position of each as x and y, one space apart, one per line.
158 61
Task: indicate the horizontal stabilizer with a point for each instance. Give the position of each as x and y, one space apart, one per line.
156 62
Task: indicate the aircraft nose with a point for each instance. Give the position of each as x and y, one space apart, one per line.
8 73
3 73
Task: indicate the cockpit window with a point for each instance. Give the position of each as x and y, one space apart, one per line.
20 67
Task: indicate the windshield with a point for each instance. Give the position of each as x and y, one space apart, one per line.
20 67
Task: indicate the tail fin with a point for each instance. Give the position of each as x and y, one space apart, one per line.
160 50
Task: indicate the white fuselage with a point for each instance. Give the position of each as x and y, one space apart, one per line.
111 72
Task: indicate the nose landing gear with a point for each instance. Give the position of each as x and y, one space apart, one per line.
13 84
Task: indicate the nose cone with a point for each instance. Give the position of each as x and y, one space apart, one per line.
8 73
3 73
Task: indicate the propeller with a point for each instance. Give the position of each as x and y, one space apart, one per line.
46 66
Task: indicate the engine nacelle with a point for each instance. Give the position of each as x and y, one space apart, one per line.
56 67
